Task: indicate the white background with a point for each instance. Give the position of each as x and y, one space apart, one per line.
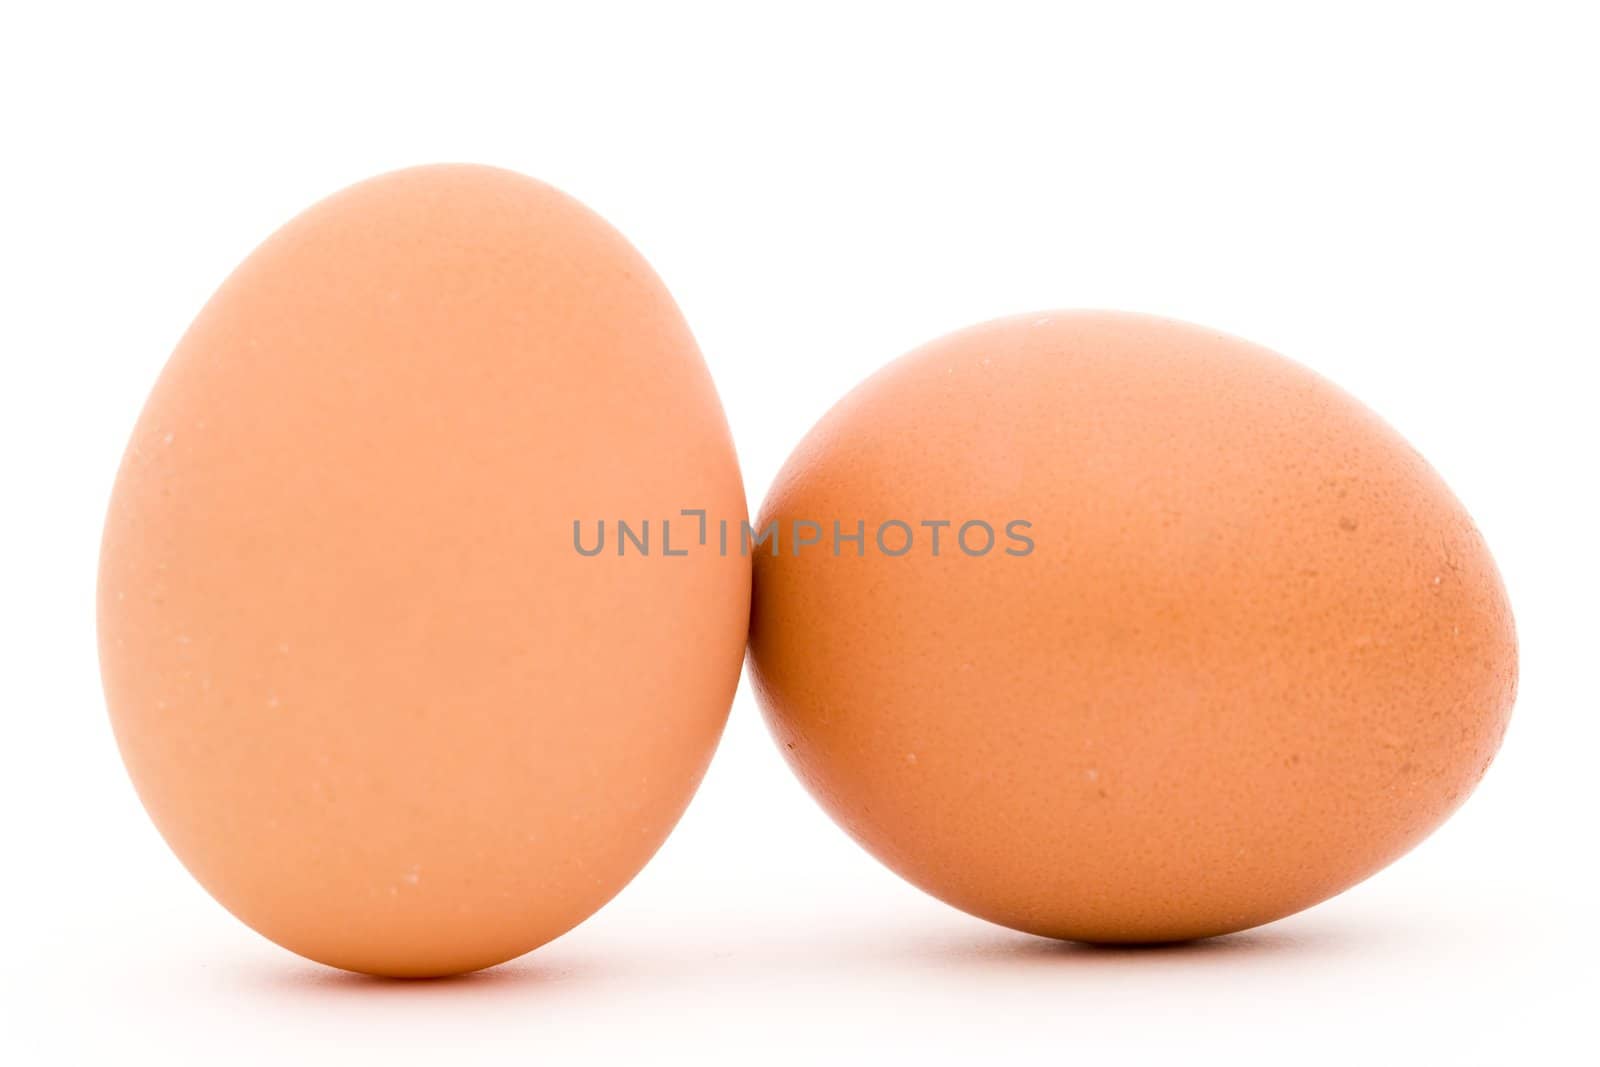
1403 196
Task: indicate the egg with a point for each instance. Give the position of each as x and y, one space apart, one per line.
1116 629
368 688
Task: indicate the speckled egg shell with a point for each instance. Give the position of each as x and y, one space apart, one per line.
1257 652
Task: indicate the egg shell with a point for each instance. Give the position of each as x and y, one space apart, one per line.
1256 652
368 691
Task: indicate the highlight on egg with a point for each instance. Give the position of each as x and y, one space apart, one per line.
1257 651
366 690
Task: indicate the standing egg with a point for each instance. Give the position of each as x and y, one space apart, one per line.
1111 628
368 689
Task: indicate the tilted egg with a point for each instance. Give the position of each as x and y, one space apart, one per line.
1112 628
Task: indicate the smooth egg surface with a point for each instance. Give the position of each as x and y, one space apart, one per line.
1229 646
366 687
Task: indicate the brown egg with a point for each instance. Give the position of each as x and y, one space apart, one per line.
367 688
1223 645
